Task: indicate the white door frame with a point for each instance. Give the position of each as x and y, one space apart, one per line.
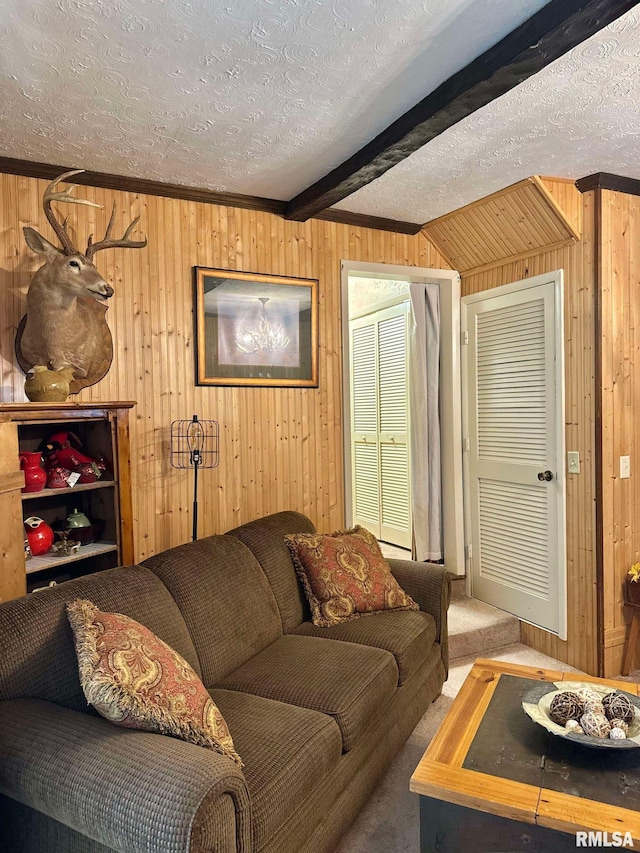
556 277
450 396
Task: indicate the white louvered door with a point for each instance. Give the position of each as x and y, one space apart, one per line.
379 417
515 470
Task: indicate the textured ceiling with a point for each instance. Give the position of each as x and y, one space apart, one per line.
580 115
263 97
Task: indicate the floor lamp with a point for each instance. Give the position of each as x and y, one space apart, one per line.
195 444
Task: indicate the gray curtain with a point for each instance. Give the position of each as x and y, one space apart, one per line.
424 401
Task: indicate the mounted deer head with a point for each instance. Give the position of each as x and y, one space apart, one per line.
65 327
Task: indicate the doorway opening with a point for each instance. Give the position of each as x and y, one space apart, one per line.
377 330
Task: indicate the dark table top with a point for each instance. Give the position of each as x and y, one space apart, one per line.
510 745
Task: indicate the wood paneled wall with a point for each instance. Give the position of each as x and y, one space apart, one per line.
280 448
581 647
620 346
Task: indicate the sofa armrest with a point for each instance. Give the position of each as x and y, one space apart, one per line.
430 588
129 790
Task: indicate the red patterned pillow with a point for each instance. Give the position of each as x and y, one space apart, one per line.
345 575
135 680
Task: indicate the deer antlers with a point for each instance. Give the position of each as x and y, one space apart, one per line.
60 228
108 242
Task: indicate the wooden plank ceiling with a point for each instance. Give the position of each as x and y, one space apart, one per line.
517 222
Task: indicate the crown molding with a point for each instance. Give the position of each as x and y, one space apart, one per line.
607 181
122 183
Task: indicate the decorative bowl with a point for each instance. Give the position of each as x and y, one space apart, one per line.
83 535
537 701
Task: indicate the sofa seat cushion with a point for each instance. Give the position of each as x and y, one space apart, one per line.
409 636
349 682
287 751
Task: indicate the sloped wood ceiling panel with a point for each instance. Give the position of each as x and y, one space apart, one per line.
517 222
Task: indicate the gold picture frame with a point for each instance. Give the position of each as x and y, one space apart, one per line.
255 329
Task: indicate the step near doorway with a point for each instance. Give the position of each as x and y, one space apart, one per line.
474 627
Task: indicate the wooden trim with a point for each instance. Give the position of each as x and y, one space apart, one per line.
509 799
556 28
437 245
453 738
553 204
558 180
122 183
64 409
615 637
530 253
607 181
362 220
598 466
11 482
567 813
13 580
124 493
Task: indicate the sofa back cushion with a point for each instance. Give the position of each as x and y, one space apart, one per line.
225 599
37 654
265 538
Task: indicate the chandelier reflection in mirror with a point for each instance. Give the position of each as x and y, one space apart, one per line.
268 336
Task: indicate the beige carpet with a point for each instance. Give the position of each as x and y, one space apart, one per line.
389 822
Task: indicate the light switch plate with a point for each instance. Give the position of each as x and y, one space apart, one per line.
625 467
573 462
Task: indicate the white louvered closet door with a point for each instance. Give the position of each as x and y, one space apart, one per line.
515 452
379 418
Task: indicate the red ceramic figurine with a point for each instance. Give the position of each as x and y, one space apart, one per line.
62 450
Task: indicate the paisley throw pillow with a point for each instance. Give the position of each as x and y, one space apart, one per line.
134 679
345 576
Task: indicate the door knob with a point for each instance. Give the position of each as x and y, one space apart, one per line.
545 475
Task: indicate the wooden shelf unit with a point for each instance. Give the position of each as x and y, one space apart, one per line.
103 429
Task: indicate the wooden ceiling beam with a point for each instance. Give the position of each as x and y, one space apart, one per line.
551 32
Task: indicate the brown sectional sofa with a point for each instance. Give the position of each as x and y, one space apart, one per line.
317 714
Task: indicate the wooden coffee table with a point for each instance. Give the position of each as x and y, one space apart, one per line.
493 781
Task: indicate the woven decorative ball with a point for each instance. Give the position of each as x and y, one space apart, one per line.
618 706
574 726
586 694
596 707
620 724
617 734
565 706
595 725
